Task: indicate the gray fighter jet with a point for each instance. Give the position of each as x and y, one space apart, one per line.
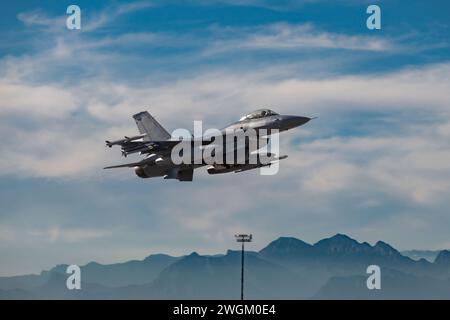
157 144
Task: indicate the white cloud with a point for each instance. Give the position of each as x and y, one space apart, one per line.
110 14
282 36
32 100
57 234
90 20
414 167
39 18
53 234
332 176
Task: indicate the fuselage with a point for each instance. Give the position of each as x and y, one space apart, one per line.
277 122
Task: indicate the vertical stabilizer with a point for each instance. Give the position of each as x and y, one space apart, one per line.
148 125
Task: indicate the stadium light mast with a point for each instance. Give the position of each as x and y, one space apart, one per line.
243 238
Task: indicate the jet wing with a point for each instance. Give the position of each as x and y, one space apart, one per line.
125 165
150 159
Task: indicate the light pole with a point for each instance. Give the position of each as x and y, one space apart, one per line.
243 238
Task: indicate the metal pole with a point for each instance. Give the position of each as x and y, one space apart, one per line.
243 238
242 273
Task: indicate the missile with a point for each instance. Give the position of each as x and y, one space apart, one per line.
127 139
224 168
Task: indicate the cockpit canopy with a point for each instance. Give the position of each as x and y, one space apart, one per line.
261 113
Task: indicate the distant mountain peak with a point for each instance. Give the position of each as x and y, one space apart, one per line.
341 244
385 249
289 239
443 258
288 242
341 235
338 238
384 245
285 246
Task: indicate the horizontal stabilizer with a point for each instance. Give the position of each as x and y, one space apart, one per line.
147 160
125 165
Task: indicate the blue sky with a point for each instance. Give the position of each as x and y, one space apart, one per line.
374 165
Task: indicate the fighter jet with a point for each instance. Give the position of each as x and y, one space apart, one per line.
157 144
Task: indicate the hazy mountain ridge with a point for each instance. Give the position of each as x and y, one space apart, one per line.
125 273
287 268
429 255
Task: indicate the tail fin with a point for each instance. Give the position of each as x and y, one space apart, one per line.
148 125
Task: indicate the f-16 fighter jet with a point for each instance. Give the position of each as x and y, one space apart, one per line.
162 151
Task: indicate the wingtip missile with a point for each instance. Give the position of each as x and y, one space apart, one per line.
125 140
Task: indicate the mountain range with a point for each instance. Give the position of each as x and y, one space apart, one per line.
287 268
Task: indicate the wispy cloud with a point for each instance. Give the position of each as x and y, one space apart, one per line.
282 36
57 234
91 22
29 100
40 18
109 15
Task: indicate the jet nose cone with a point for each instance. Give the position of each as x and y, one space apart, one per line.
290 122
